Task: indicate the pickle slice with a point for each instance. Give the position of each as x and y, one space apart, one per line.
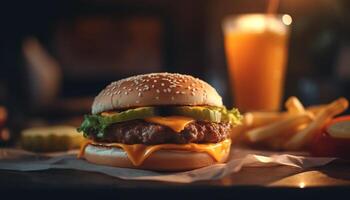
199 113
213 114
131 114
99 123
51 138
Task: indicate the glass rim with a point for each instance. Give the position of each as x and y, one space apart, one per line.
232 18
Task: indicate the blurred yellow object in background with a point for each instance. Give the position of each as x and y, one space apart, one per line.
51 138
5 134
3 115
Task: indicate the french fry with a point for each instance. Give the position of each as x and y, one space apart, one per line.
258 119
236 133
316 109
275 129
294 106
277 143
3 114
300 139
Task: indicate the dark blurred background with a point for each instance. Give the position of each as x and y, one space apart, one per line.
56 55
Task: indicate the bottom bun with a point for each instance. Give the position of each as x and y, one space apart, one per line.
162 160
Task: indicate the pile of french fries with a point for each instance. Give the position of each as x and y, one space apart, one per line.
291 130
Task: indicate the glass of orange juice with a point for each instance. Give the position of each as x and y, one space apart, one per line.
256 50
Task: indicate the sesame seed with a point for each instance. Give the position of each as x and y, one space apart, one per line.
162 84
155 81
118 92
139 94
126 93
157 91
124 88
129 89
152 86
157 97
183 92
164 90
177 92
192 93
169 90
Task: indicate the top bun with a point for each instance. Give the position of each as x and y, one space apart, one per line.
155 89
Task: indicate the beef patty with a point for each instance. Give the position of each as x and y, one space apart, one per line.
142 132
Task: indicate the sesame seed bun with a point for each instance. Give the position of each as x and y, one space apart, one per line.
155 89
162 160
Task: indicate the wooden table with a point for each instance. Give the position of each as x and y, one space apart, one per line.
332 179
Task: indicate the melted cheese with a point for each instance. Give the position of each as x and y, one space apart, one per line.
176 123
138 153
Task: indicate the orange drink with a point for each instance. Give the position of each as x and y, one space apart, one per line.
256 52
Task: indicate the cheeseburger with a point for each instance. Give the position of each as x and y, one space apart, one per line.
158 121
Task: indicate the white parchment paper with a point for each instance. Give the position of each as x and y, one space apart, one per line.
15 159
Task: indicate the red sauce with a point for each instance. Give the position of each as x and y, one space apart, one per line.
329 146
